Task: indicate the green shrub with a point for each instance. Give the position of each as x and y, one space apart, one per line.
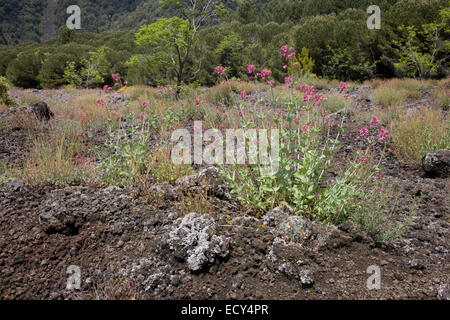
4 87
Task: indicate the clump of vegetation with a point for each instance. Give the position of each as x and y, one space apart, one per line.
418 132
389 96
4 96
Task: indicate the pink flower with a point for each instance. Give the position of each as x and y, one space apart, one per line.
374 120
290 56
365 151
383 134
363 132
295 64
220 70
243 95
251 68
343 86
326 120
265 73
83 117
295 119
125 82
305 128
171 128
197 102
115 77
285 67
221 126
144 104
279 111
284 50
270 82
363 159
240 113
389 150
100 101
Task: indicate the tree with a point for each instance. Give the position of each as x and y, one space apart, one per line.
92 71
197 12
425 52
168 43
230 53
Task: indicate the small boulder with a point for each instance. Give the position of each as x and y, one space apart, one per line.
193 239
42 111
437 164
207 180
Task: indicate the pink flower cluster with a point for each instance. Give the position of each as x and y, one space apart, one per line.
342 86
106 88
220 70
288 52
264 74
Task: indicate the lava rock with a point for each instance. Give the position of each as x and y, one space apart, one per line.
41 110
437 164
207 180
193 239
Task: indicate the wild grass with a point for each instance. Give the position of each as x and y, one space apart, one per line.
337 102
389 96
441 98
58 159
417 132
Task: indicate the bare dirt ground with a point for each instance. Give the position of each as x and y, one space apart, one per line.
128 245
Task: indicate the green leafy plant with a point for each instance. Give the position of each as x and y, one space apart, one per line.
123 157
4 87
425 51
90 72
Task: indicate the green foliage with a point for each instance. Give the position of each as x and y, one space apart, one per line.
51 74
4 87
167 43
92 71
375 213
305 64
229 51
425 53
347 64
23 71
335 33
123 158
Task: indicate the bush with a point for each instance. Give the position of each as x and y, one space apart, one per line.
24 70
4 96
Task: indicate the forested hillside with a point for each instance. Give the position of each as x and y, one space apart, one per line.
333 36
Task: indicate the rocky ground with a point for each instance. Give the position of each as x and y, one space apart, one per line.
139 245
